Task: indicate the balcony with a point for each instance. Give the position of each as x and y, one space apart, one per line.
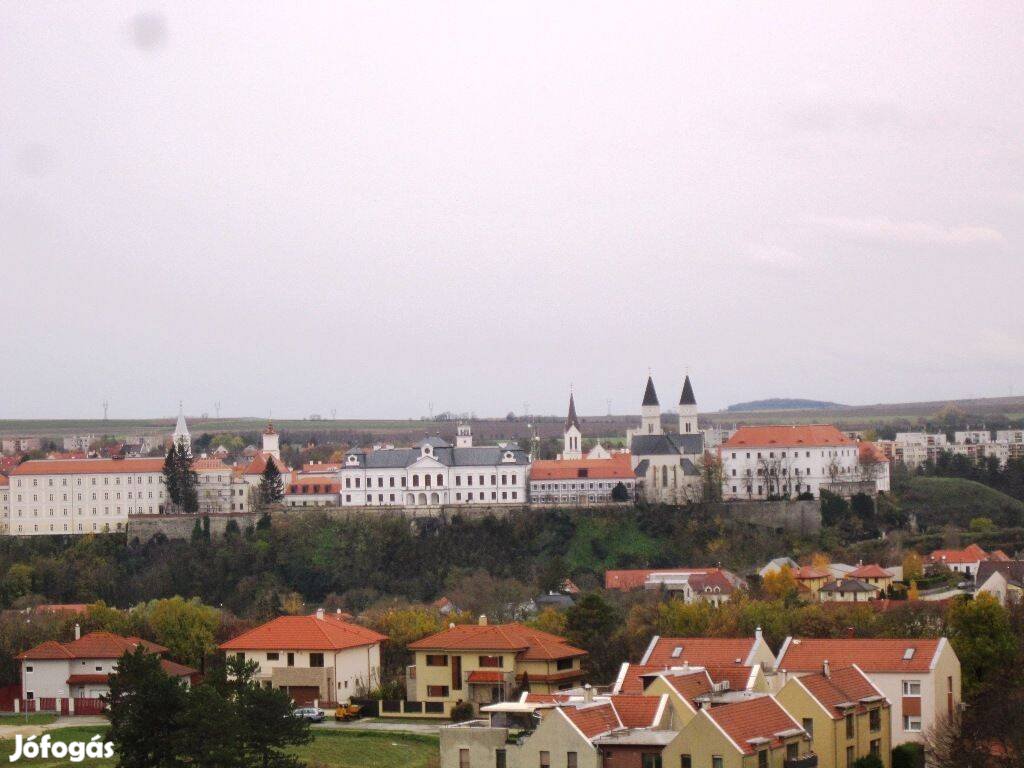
808 760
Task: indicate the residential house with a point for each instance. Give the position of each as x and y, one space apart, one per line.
640 678
873 574
920 677
752 733
314 658
485 663
578 730
315 490
713 585
810 579
80 669
848 590
965 561
846 715
582 481
1003 579
776 564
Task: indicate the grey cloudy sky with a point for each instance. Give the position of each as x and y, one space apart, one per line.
371 206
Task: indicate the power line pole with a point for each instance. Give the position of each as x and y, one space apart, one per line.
216 408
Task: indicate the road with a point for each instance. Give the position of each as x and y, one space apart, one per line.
383 724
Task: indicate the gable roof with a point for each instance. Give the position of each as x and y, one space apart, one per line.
259 463
94 645
528 643
618 465
788 435
969 554
760 718
593 721
1013 570
635 578
845 686
637 711
700 651
687 397
667 445
870 654
304 633
848 585
870 571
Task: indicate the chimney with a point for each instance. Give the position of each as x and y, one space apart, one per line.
851 632
78 631
320 613
451 625
338 611
758 635
588 693
482 621
826 670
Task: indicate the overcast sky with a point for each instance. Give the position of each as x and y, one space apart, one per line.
371 207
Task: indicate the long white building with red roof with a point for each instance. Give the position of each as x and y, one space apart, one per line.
786 460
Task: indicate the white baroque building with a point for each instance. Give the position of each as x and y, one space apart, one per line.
436 473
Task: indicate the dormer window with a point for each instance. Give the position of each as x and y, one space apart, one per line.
677 652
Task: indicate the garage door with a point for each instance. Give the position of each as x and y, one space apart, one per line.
303 695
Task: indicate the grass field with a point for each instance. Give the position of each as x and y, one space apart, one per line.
329 749
33 718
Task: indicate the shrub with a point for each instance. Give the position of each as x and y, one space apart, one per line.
462 712
868 761
908 756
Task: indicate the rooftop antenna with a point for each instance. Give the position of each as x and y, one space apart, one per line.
105 405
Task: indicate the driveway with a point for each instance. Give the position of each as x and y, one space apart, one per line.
11 730
384 724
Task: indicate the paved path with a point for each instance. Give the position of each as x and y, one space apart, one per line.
11 730
383 724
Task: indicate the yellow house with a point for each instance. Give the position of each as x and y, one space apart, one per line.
873 574
755 733
810 579
487 663
847 590
847 716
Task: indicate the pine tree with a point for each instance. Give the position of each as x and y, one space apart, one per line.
171 476
188 481
271 486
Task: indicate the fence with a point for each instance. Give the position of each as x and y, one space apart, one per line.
58 706
404 708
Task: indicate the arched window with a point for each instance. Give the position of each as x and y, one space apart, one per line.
415 481
440 479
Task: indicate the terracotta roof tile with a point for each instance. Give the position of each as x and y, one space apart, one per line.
95 645
95 679
691 685
762 717
870 571
302 633
87 466
636 711
485 676
531 644
593 720
788 435
700 651
871 655
842 686
635 578
618 465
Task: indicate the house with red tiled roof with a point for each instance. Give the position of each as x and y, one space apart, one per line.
5 504
320 657
965 561
846 714
315 490
919 676
712 585
578 728
79 669
756 731
786 460
484 663
873 574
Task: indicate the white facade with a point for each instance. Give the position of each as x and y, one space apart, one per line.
435 473
82 496
975 436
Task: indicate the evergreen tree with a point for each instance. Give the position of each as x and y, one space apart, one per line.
171 476
145 706
268 724
188 481
271 486
197 532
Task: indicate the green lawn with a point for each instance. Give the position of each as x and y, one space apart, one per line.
329 749
33 718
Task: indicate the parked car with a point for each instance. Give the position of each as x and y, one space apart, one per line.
312 714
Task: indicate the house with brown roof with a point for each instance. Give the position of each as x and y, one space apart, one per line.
486 663
578 729
753 733
873 574
1003 579
318 658
920 676
965 561
712 585
847 590
80 669
316 490
846 715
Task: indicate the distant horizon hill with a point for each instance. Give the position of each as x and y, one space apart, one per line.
783 404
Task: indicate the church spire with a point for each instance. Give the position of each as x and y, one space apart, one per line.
687 397
650 396
571 420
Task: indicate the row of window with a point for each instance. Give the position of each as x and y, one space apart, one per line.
431 481
106 496
106 480
592 485
796 454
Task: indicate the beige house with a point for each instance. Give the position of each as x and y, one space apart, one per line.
919 677
754 733
847 590
873 574
317 658
486 663
847 716
578 730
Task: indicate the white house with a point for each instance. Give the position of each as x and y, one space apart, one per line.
79 669
436 473
314 658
